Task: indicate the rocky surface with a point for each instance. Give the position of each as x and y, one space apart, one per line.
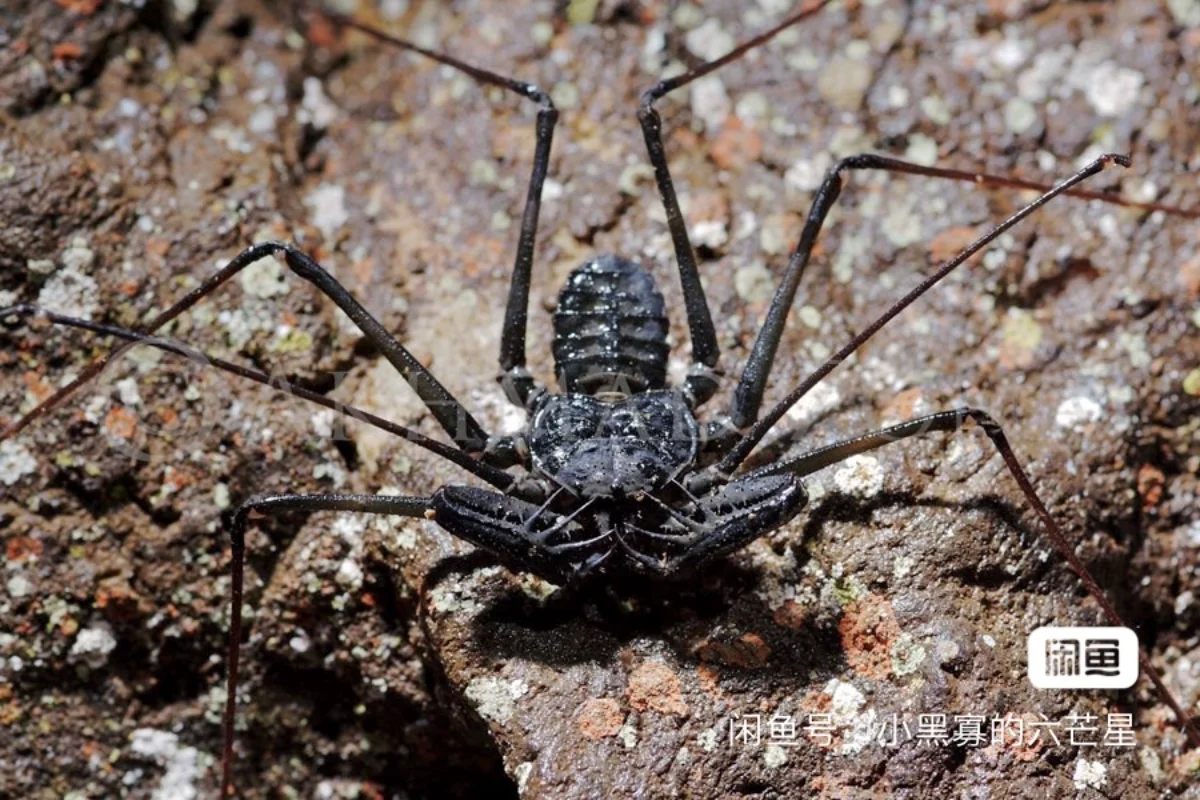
143 146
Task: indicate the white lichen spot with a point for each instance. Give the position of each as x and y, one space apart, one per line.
70 292
712 233
221 497
93 644
1090 775
846 699
809 317
754 283
774 756
15 462
493 698
565 95
262 121
38 266
823 397
902 566
707 739
1112 90
127 391
1075 412
989 640
934 107
522 773
18 586
1189 535
709 40
1135 346
845 707
349 575
327 209
1184 600
902 225
859 475
907 655
315 108
1186 12
264 279
184 765
1019 115
922 149
711 103
844 82
300 641
78 256
627 736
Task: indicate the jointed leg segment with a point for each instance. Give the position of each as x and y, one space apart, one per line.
952 421
369 504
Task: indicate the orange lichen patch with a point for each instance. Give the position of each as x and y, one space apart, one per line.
87 7
158 247
599 717
10 714
686 139
655 687
66 51
120 422
747 652
816 702
709 680
902 405
363 270
20 549
1150 481
1020 337
791 615
116 598
37 388
321 32
1012 733
950 242
736 145
1188 764
129 288
168 416
708 206
1189 276
867 629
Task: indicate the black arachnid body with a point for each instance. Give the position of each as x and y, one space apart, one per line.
612 448
621 474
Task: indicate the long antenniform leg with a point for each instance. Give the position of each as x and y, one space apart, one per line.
466 432
720 472
482 470
369 504
704 374
517 382
953 421
747 397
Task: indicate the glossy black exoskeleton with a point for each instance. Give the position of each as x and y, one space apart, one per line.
620 474
610 452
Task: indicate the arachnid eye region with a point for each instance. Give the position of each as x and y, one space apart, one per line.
615 449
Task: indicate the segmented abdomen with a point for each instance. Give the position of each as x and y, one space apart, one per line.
610 329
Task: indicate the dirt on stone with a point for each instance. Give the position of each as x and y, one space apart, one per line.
142 145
